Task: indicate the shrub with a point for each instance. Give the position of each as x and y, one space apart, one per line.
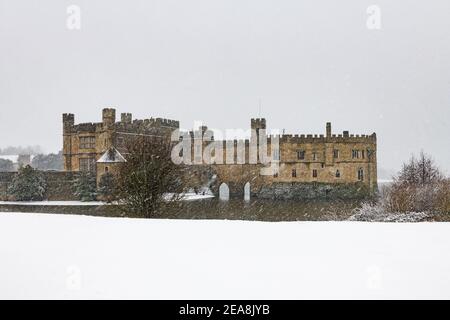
419 187
107 187
6 165
86 187
28 185
443 197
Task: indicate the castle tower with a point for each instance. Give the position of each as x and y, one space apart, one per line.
256 125
68 123
109 117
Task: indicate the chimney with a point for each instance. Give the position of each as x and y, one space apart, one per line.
328 129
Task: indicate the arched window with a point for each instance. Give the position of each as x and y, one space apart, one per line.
360 174
224 192
247 191
338 174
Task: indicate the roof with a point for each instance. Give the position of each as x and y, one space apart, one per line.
111 156
13 158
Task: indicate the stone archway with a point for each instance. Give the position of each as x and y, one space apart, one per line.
247 193
224 192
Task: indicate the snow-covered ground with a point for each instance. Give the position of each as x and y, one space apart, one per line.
52 203
62 256
186 197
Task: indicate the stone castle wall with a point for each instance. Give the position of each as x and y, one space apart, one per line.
319 172
59 185
106 134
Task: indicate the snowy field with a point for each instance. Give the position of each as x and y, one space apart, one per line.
186 197
62 256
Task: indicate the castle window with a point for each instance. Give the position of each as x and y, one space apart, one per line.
120 141
356 154
301 154
314 173
294 173
106 169
275 175
314 156
87 142
360 174
335 153
338 174
87 164
362 152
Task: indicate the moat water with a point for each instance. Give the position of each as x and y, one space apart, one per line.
213 208
262 210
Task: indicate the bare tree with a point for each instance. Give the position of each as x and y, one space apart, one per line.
419 187
148 179
420 171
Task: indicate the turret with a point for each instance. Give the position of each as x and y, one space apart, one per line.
109 116
258 124
68 124
126 117
68 121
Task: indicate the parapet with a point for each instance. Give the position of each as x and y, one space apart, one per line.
126 117
69 118
258 123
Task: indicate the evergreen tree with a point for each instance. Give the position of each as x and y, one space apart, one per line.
148 176
28 185
6 165
86 187
107 187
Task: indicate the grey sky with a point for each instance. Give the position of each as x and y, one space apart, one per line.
212 60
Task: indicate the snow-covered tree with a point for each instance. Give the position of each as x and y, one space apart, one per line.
148 176
6 165
28 185
107 187
86 187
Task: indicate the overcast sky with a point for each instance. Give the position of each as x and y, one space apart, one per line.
308 62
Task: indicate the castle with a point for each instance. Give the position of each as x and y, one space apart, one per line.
310 166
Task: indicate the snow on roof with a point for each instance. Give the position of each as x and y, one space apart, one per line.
111 156
13 158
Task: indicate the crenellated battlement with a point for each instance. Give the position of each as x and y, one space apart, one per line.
258 123
88 127
320 138
126 123
146 124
